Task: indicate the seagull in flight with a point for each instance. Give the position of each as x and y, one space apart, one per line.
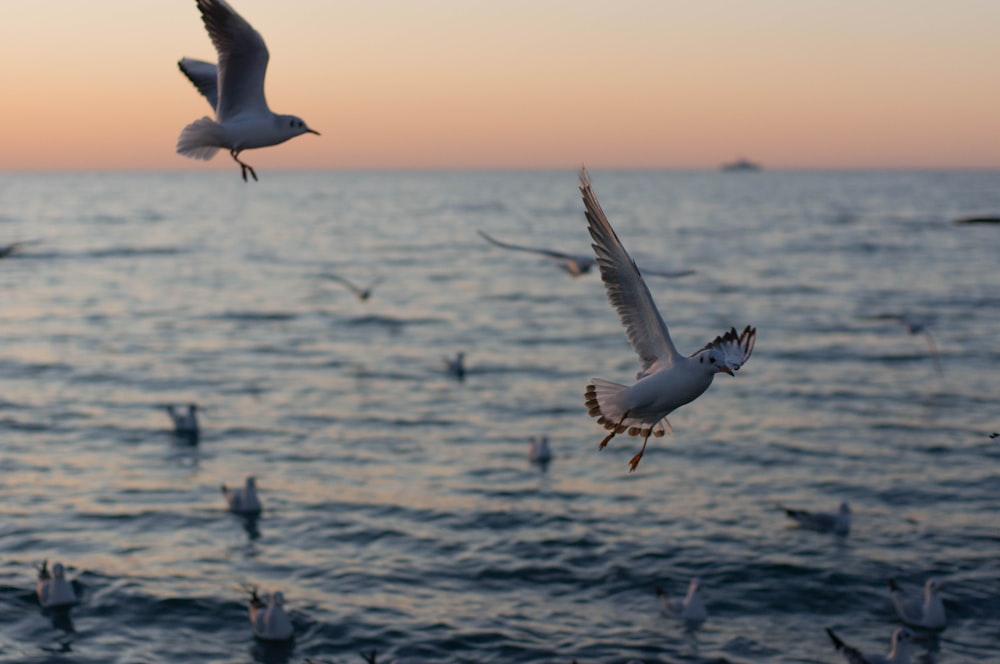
915 325
362 293
838 522
576 264
235 90
13 247
690 609
899 653
667 380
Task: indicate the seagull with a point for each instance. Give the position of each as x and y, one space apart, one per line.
456 365
667 380
837 522
575 264
539 451
915 325
268 617
243 501
14 247
185 424
899 653
690 609
927 613
235 90
53 589
995 435
362 293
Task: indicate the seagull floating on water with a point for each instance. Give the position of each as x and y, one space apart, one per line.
927 612
575 264
455 366
245 500
268 617
235 90
690 609
837 522
362 293
12 248
54 590
185 424
667 379
899 653
539 450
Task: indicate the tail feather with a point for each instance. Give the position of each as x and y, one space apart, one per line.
605 400
201 139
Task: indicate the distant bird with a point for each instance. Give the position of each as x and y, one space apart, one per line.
575 264
455 366
994 435
927 612
915 325
245 500
899 653
837 522
970 221
268 618
14 247
185 424
690 609
53 589
667 380
235 90
539 450
362 293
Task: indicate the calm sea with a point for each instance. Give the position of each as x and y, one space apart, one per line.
400 511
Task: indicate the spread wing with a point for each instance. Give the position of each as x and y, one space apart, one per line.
628 293
205 77
551 253
242 60
735 348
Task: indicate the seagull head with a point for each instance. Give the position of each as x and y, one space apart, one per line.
714 361
57 570
902 637
931 587
278 598
251 482
294 126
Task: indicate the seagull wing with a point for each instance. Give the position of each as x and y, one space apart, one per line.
242 60
667 274
551 253
626 289
354 288
204 75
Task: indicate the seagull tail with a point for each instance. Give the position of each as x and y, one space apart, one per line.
605 400
201 139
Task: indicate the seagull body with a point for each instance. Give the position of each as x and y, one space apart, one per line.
185 423
54 589
574 264
245 500
235 90
667 380
268 617
927 612
899 653
838 522
539 451
690 609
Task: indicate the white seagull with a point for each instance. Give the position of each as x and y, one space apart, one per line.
455 366
245 500
838 522
235 90
362 293
54 590
575 264
268 617
899 653
667 380
927 613
539 450
185 424
690 609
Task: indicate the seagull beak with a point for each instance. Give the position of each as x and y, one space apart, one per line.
727 370
312 131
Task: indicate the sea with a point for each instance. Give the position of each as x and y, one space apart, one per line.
401 513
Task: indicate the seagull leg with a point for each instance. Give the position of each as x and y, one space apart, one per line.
604 443
634 461
234 153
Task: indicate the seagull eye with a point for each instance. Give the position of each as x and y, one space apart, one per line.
291 123
712 360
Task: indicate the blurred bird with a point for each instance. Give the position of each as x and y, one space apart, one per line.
14 247
838 522
268 618
243 501
899 653
235 90
455 366
667 380
539 450
185 424
690 609
362 293
927 612
54 590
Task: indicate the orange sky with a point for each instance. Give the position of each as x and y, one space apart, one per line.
93 84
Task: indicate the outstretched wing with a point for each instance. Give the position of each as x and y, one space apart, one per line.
205 77
735 348
551 253
354 288
242 60
628 293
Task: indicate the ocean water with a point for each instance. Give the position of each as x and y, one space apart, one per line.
400 511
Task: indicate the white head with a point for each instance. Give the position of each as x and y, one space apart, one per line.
293 126
931 587
695 585
714 361
901 640
278 598
845 508
57 570
251 482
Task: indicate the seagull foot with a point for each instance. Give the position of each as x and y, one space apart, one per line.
634 461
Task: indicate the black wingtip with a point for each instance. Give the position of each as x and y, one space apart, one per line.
837 643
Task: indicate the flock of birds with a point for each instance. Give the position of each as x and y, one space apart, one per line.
666 380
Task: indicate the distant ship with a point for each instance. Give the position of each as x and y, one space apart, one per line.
741 165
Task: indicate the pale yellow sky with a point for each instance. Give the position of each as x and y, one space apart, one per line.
93 84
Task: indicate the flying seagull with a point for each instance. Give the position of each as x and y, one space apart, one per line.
575 264
667 380
235 90
362 293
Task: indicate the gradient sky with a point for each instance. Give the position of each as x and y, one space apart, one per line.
94 84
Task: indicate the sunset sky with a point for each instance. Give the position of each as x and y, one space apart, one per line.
519 83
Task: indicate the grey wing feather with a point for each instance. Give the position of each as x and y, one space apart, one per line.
536 250
628 293
204 75
242 60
